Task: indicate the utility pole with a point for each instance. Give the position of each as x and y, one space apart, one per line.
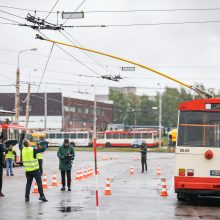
45 110
62 104
28 105
17 98
68 113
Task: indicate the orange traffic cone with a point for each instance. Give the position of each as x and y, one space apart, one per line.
89 171
54 181
80 174
132 171
107 188
45 182
85 175
77 175
158 171
164 188
35 190
97 171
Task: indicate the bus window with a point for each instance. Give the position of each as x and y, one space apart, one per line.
59 135
137 136
73 136
108 136
66 136
130 136
80 135
100 135
146 136
123 136
86 135
115 136
51 136
204 127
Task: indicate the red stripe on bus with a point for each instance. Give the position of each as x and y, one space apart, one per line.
205 183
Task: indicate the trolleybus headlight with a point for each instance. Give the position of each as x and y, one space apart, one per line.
190 172
182 172
209 154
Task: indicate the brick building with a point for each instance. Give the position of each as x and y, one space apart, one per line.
79 114
62 112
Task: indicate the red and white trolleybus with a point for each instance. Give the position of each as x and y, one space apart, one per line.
197 158
133 138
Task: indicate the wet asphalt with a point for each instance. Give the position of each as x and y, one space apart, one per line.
134 197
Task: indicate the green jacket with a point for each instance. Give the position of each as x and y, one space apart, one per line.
65 160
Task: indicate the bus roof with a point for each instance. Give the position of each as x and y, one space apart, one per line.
126 132
6 113
212 104
5 126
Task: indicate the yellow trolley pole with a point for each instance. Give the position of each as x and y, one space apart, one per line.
200 92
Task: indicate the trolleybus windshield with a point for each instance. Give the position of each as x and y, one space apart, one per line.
199 129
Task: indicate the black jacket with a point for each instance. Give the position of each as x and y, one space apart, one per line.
2 150
143 151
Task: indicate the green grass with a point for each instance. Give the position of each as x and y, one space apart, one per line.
113 149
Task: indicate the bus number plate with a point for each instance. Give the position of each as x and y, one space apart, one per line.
183 150
214 172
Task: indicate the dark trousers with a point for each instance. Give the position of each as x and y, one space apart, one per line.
144 163
40 162
68 174
37 176
1 174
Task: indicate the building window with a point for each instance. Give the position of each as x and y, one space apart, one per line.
85 111
73 109
79 110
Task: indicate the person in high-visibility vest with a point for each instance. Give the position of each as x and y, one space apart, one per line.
9 157
31 167
39 157
2 150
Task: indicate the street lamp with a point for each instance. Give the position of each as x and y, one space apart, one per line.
17 98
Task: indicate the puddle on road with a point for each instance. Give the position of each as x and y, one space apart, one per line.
67 209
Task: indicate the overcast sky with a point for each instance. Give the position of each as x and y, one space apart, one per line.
189 52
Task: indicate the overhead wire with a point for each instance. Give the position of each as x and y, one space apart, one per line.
120 11
12 14
91 56
45 68
79 61
51 10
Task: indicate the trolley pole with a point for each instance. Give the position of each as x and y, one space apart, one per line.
95 158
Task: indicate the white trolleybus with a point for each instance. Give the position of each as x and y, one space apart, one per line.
197 158
79 138
133 138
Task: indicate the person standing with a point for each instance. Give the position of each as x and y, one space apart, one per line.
66 155
31 167
2 150
143 151
10 155
39 157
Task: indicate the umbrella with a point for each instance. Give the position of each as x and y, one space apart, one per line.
10 142
43 143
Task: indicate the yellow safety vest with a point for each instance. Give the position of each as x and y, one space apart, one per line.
29 162
39 156
10 154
